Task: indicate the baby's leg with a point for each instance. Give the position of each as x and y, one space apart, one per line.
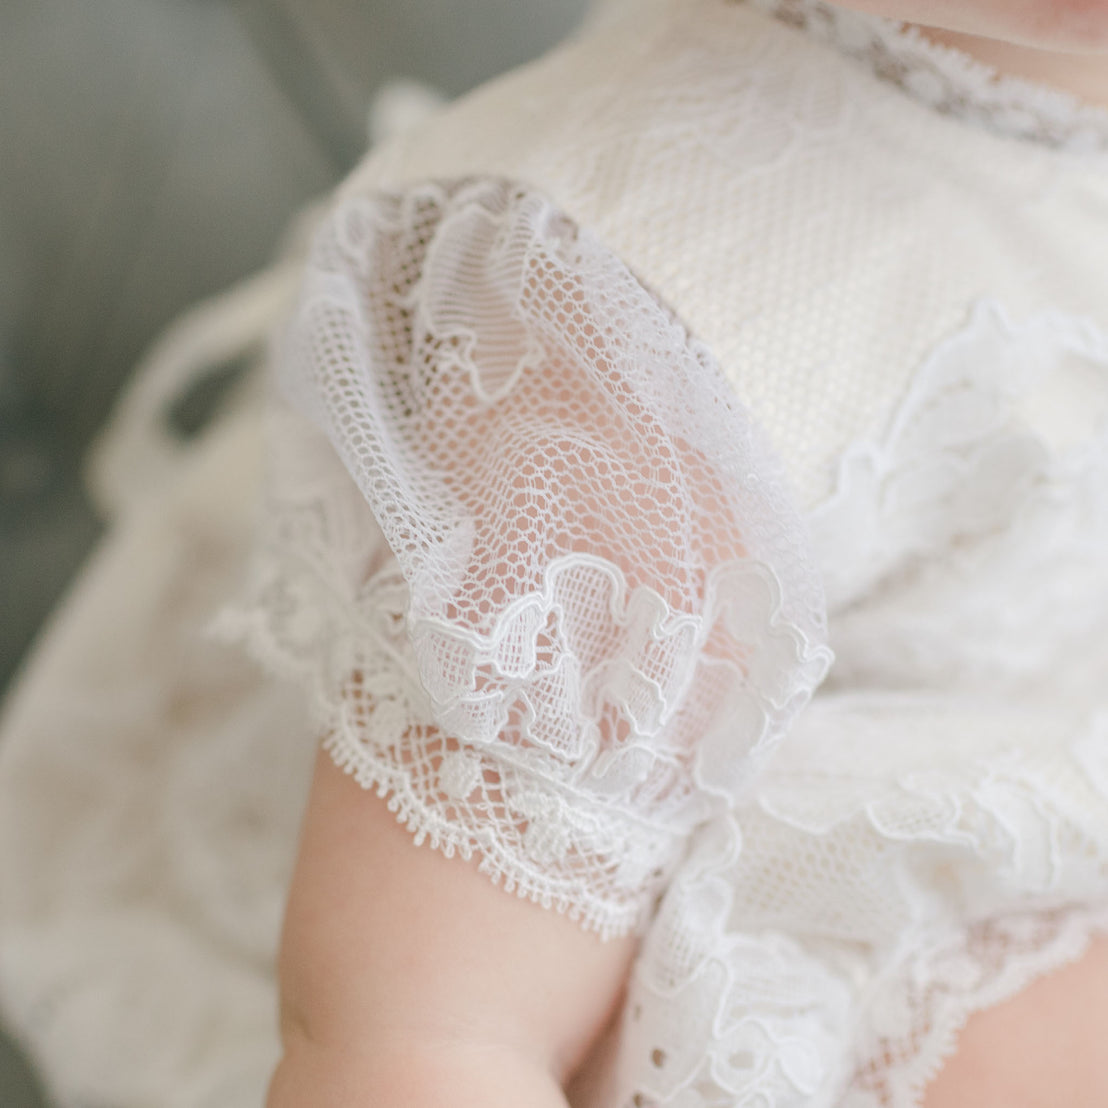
408 978
1042 1048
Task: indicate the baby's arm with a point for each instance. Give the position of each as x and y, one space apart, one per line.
409 979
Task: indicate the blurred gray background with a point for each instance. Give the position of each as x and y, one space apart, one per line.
151 152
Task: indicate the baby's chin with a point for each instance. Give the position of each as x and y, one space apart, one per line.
1068 25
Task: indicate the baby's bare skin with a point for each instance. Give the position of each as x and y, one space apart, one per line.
407 978
1044 1048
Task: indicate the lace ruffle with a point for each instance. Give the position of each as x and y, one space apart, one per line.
594 615
958 541
825 945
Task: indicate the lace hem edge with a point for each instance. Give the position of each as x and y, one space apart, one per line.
248 628
1077 931
375 775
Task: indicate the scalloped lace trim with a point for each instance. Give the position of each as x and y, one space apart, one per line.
950 81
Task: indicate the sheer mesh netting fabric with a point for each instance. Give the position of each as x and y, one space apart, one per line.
594 614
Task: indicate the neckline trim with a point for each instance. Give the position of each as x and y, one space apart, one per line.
948 80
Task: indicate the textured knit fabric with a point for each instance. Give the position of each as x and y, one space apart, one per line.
614 400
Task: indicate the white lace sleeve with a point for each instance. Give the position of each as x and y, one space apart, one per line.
594 613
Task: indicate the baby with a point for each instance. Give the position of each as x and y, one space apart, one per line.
407 979
616 397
